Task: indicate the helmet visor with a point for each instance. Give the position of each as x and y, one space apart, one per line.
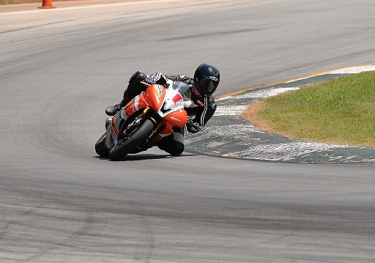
209 85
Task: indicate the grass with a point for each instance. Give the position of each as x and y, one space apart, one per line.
340 111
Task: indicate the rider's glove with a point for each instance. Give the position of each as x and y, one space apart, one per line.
148 82
192 126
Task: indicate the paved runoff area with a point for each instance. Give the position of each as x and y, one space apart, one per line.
228 134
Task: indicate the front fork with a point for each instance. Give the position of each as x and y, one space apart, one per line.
135 123
130 128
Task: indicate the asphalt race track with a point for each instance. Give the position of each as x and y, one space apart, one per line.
60 202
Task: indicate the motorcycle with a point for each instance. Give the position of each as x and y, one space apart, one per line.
144 121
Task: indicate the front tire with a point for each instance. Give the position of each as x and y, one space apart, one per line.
100 147
138 136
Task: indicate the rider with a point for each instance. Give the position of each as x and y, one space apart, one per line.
201 87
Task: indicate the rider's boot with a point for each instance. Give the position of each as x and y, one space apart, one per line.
112 110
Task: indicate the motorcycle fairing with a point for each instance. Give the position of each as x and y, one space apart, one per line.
167 103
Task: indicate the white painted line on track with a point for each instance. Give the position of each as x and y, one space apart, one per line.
283 151
230 110
348 70
353 70
261 94
257 94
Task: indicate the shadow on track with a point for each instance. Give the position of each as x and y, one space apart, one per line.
141 157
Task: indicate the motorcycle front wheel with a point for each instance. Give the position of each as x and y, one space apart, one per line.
100 148
139 135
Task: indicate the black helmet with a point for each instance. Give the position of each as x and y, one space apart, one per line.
206 79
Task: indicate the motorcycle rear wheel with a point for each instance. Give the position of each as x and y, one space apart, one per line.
141 134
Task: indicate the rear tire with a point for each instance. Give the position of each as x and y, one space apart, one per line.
100 148
141 134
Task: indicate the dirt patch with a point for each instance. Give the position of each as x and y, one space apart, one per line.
251 114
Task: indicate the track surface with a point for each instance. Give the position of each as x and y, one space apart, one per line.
61 67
